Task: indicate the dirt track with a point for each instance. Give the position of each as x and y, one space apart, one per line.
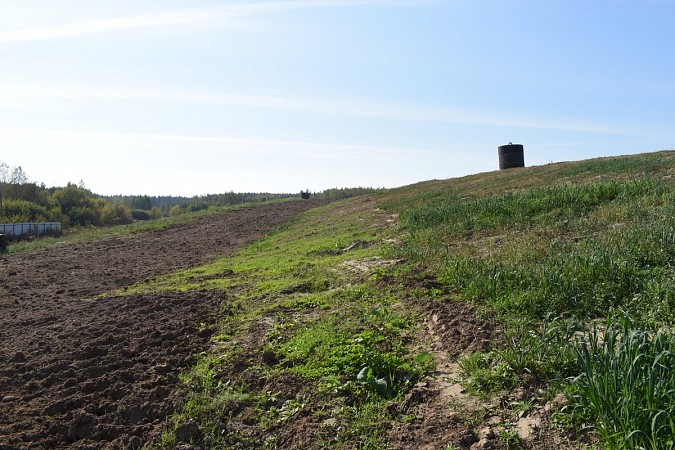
77 373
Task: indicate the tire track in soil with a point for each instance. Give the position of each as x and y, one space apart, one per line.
438 404
85 374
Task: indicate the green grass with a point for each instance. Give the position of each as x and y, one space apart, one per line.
306 336
583 278
627 385
572 241
526 208
566 249
576 261
368 353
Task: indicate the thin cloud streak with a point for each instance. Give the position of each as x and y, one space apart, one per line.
96 26
180 17
327 106
234 146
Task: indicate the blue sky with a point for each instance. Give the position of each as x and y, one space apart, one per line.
166 97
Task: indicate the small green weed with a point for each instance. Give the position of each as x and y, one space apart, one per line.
486 374
509 439
544 353
354 350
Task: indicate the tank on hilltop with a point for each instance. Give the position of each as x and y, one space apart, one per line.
510 156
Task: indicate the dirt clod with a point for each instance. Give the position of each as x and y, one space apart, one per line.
188 432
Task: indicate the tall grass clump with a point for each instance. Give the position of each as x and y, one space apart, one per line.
627 385
533 353
543 351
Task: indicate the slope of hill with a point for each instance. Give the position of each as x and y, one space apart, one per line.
530 308
509 309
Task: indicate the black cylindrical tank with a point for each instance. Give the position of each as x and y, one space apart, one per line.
510 156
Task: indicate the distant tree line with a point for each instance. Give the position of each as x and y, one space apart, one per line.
74 205
343 193
172 206
176 205
24 201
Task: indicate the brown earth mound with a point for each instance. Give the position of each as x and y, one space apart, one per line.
85 374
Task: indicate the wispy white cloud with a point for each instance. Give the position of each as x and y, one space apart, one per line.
328 106
137 144
182 17
95 26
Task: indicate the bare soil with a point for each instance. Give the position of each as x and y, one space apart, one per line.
438 407
81 373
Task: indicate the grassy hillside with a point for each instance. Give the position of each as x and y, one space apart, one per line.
530 308
577 261
571 239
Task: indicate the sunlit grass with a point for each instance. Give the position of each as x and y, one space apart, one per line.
627 385
332 330
572 241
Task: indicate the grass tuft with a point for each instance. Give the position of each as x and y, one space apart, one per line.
627 386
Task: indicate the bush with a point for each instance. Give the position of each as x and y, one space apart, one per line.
176 210
116 214
79 205
84 216
139 214
25 211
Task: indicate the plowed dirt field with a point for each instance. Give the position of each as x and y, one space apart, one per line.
102 374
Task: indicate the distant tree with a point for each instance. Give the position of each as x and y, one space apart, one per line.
4 177
18 176
79 205
25 211
175 210
4 173
142 202
155 212
30 192
116 214
197 204
85 216
139 214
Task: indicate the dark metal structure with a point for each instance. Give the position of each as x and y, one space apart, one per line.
511 155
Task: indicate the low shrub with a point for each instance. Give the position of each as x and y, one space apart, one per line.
116 214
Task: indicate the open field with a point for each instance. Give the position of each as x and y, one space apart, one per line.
522 309
103 373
